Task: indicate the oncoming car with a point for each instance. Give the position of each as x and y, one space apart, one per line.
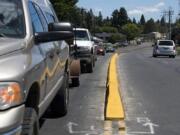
164 48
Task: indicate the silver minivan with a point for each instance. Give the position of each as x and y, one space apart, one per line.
164 48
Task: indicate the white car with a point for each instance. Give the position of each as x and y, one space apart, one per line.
164 48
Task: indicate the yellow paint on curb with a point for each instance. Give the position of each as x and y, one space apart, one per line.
114 107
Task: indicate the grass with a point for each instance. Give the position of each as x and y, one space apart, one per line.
178 50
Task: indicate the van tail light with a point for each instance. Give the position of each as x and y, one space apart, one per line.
174 48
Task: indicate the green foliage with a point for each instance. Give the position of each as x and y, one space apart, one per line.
118 23
117 37
64 8
123 17
131 31
150 26
107 29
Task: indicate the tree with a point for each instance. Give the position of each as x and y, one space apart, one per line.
150 26
100 19
90 20
134 21
123 17
142 20
131 31
107 29
115 18
117 37
64 8
163 22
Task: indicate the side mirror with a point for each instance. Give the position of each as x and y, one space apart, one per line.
63 26
57 31
42 37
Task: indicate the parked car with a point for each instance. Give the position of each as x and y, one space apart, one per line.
101 50
85 48
110 49
164 48
34 67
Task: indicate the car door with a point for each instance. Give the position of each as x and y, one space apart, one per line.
62 50
47 49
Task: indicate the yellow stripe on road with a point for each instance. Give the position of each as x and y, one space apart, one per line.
114 107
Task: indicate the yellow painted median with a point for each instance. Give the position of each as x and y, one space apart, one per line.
114 106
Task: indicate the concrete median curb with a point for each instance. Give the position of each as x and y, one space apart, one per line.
114 109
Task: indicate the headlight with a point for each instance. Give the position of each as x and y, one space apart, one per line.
10 95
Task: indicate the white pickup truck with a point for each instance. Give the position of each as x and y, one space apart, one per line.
85 48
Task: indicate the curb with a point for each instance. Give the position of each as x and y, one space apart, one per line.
114 109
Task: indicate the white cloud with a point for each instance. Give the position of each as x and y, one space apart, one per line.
147 9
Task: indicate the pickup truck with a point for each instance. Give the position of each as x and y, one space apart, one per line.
34 59
85 49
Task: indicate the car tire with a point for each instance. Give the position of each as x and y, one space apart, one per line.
75 82
89 67
59 105
154 55
31 122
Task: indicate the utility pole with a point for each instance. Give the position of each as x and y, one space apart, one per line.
179 9
169 13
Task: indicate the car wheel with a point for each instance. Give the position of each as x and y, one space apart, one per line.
89 67
75 82
59 105
154 55
31 122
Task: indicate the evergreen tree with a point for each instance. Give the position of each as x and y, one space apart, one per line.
150 26
123 17
134 21
142 20
115 18
100 19
163 22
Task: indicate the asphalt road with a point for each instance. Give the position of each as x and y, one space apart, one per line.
86 108
151 92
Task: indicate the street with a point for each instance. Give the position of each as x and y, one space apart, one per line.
150 89
86 108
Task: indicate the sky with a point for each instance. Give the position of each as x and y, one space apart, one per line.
135 8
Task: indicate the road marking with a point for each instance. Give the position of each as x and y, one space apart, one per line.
72 125
146 122
114 107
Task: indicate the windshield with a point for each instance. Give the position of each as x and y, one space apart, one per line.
11 19
81 35
166 43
